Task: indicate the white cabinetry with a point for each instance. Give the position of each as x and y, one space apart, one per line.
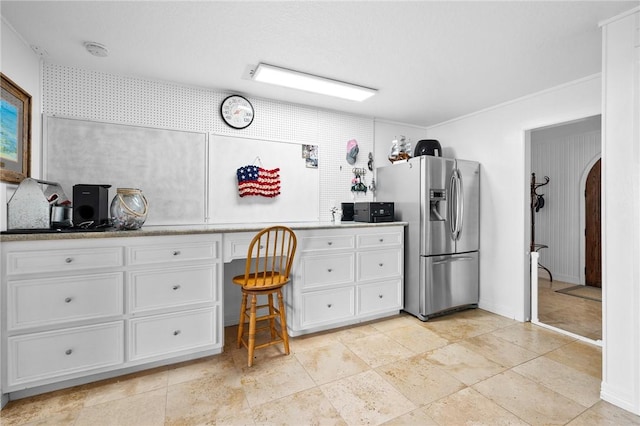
344 276
79 307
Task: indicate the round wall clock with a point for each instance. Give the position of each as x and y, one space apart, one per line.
237 111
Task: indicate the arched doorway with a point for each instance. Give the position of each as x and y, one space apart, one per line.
592 231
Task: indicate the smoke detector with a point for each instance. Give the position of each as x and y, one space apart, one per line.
96 49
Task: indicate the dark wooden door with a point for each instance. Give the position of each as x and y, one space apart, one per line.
593 248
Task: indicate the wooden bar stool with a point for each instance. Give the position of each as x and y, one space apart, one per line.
267 269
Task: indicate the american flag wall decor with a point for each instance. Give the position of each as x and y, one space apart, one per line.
254 180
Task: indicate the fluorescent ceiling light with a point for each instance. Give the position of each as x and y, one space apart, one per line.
311 83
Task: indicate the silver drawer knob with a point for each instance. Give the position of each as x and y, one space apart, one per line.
329 305
176 287
380 264
176 253
329 270
68 300
68 260
175 333
330 243
380 296
68 352
382 240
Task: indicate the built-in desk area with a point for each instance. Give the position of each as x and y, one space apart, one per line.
79 307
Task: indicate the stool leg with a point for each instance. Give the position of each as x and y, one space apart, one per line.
243 308
272 320
252 329
283 322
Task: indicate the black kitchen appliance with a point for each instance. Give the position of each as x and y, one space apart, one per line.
347 211
428 147
91 204
373 212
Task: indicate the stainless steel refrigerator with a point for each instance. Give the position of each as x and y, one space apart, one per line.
440 199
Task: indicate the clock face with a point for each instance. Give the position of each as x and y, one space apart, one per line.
237 112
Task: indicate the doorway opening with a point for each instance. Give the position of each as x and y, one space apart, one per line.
566 294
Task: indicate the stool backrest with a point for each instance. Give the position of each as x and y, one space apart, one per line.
270 257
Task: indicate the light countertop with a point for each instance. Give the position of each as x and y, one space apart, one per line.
146 231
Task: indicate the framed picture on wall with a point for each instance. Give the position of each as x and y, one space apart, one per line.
15 132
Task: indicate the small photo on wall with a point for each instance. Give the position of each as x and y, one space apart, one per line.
310 154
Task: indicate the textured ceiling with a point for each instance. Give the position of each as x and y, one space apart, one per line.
431 61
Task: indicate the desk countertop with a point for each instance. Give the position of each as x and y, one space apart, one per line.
146 231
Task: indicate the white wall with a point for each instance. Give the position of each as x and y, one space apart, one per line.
19 63
621 212
496 138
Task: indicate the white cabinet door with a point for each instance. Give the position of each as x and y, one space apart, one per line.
161 335
379 297
323 271
37 357
327 306
170 288
50 301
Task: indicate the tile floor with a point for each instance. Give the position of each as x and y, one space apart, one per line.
472 367
575 314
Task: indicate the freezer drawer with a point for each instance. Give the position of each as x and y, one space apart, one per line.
450 282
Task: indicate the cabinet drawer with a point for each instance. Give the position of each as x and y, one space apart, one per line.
318 271
160 335
62 299
327 306
39 356
331 242
236 245
386 239
168 253
379 297
373 265
31 262
173 287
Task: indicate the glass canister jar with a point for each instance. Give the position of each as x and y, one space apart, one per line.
129 209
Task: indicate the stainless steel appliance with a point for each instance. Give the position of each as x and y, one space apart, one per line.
439 198
373 212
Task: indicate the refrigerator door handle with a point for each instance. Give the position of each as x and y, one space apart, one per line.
453 206
454 259
459 203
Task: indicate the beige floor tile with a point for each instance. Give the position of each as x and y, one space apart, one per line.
498 350
124 387
141 409
582 356
311 342
413 418
200 368
416 338
331 362
378 349
348 334
68 418
454 327
532 337
530 401
569 382
465 365
389 323
489 319
308 407
468 407
274 379
366 398
605 414
205 400
43 407
419 380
